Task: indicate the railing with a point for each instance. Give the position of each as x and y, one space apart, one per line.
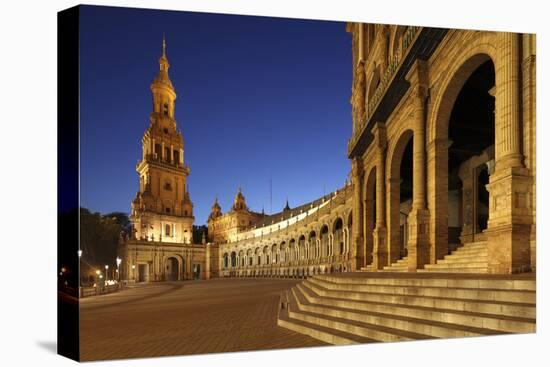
96 291
408 38
155 158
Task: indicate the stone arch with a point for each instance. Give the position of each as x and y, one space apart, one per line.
463 64
394 214
172 267
302 253
324 238
338 236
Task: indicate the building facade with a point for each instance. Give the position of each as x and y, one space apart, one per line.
443 125
313 238
161 245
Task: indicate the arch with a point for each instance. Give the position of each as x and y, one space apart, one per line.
396 223
233 259
463 64
338 236
301 247
325 242
171 268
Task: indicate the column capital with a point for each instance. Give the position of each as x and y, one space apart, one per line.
418 74
379 132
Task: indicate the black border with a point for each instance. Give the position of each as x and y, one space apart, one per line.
68 319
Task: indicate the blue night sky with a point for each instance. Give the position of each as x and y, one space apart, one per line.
258 98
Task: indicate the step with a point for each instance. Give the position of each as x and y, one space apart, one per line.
431 280
356 327
511 296
473 319
428 328
476 264
324 334
480 270
525 310
463 259
468 252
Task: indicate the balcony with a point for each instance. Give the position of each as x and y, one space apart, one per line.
418 43
157 160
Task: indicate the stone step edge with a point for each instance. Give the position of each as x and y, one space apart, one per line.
431 309
508 303
413 278
517 307
324 334
411 320
423 286
401 335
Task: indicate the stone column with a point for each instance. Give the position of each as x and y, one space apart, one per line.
153 147
171 153
181 157
357 239
510 187
162 152
529 90
418 220
380 251
207 262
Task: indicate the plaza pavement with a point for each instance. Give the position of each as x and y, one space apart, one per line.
178 318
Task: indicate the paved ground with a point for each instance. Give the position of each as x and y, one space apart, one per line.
173 318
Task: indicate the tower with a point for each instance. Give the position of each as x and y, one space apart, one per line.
162 209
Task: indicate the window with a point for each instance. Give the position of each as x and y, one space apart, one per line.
167 232
167 186
167 210
165 109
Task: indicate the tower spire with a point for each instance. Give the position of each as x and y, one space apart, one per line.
163 45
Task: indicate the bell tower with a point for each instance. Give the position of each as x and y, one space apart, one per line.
162 210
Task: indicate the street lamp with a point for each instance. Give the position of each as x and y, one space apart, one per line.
79 275
106 272
134 272
118 261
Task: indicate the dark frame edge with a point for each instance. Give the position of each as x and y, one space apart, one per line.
68 318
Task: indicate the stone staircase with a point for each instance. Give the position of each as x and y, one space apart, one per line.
470 258
399 266
366 307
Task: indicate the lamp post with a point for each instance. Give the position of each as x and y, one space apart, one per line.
118 261
79 275
106 272
134 272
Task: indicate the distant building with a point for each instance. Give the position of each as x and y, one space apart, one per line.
161 247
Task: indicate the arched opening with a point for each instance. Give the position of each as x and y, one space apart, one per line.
225 260
292 249
471 133
313 244
302 247
400 192
233 259
324 241
171 269
370 216
266 256
338 237
241 259
275 254
283 252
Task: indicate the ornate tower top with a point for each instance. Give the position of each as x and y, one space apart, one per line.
239 203
164 93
